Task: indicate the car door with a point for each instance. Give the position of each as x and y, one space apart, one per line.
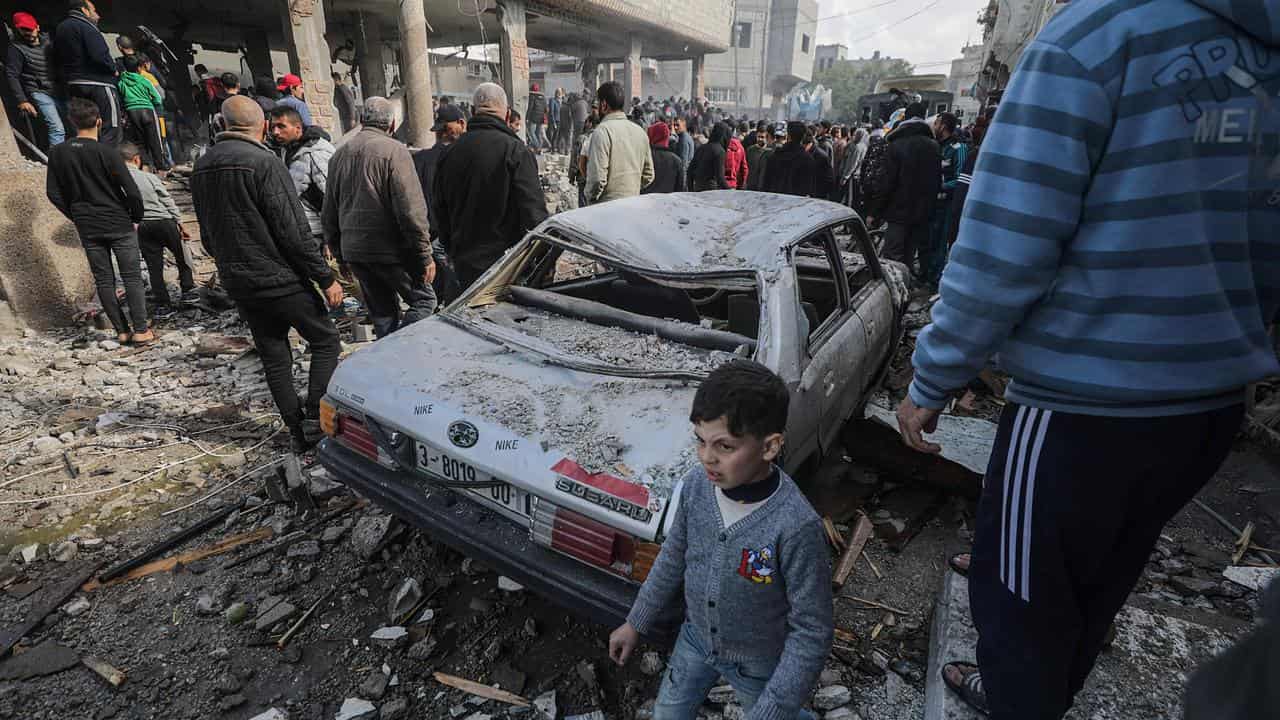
875 305
836 342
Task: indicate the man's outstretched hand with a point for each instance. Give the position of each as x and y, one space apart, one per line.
333 294
623 642
429 275
913 421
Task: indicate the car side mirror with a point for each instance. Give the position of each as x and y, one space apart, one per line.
811 377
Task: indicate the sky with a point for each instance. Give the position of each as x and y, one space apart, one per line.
935 34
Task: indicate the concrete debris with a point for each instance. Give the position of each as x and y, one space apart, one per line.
46 658
733 711
322 486
272 714
374 686
831 697
829 676
506 584
76 607
370 533
593 715
65 552
306 550
390 637
508 678
333 534
530 628
1191 586
403 599
651 664
354 709
422 649
546 705
721 694
841 713
207 604
25 554
394 709
1254 578
274 615
427 616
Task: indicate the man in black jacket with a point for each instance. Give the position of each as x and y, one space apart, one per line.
907 186
791 169
89 183
375 221
450 125
254 226
706 171
85 64
486 189
536 118
29 67
668 171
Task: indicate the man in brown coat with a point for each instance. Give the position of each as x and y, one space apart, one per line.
375 221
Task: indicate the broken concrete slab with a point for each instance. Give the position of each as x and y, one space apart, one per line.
371 533
393 709
354 709
1154 642
390 637
965 441
831 697
404 598
546 705
375 686
46 658
272 714
274 615
1254 578
76 607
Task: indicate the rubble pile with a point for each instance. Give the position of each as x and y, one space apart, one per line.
561 194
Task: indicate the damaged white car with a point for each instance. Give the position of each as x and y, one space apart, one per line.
540 423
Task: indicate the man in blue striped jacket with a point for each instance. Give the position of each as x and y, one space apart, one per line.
1119 255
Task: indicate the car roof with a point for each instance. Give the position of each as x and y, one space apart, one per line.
722 230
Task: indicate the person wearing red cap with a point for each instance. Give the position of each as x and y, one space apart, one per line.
668 169
291 92
28 66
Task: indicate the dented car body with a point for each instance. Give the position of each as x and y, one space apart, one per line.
540 422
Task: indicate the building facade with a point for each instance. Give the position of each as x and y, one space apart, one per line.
826 57
963 81
1008 27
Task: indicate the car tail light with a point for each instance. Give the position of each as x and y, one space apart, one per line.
353 434
328 417
591 541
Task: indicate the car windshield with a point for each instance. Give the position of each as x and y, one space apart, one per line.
586 308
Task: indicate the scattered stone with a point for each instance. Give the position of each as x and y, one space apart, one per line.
272 714
332 534
422 649
394 709
354 708
306 550
261 568
231 702
292 654
405 597
207 604
25 554
76 607
374 686
322 487
1190 586
390 637
65 552
370 534
273 615
506 584
1254 578
831 697
458 711
233 460
236 613
721 694
829 676
46 658
734 711
546 704
427 616
16 368
471 567
651 663
841 713
480 605
587 671
530 628
593 715
109 345
508 678
1206 556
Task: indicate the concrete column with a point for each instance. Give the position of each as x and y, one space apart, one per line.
10 155
259 51
369 44
304 28
698 83
632 73
415 69
590 76
515 54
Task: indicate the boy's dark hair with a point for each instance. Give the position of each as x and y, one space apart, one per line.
949 121
131 63
74 5
129 151
82 113
749 396
612 95
286 113
916 110
230 80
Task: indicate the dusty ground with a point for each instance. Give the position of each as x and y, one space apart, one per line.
194 417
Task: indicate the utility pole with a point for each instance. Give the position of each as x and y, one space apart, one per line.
737 35
764 58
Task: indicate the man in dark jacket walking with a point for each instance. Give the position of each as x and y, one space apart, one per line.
536 118
486 189
706 171
29 67
668 171
450 125
89 183
375 221
791 169
85 64
253 225
907 186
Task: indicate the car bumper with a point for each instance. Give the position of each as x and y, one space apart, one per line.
476 531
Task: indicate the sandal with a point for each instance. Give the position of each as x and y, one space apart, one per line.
124 338
144 338
970 688
958 566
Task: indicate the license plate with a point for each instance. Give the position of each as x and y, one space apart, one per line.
504 496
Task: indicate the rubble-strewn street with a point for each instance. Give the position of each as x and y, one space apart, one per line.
315 604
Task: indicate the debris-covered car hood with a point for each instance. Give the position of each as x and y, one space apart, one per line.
530 414
725 230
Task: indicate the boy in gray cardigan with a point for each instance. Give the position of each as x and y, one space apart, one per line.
748 550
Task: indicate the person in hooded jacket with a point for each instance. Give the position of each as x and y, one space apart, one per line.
706 172
306 152
791 169
736 171
668 172
907 186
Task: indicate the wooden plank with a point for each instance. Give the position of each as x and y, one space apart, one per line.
168 564
104 670
479 690
857 540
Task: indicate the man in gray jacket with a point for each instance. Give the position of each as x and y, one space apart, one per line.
375 221
620 163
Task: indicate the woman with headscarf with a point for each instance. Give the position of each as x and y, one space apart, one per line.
706 172
854 154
